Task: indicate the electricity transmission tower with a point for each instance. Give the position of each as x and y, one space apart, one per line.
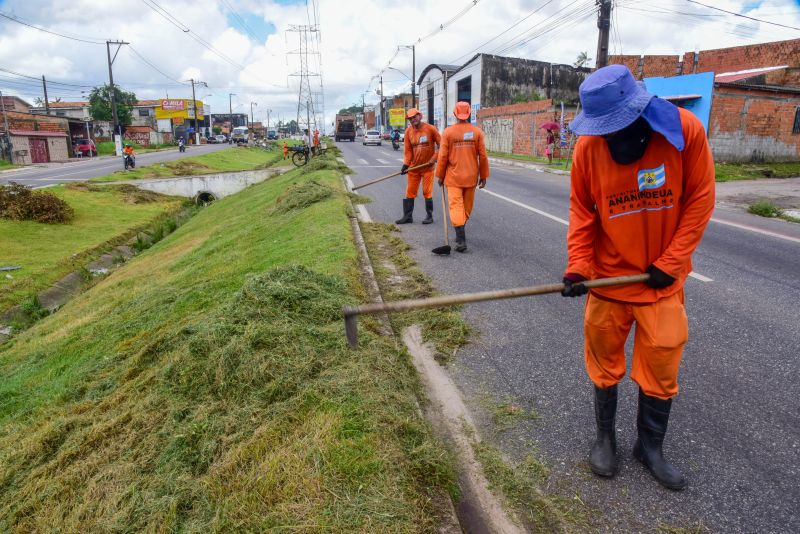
306 102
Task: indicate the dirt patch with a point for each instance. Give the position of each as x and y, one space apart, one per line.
130 193
300 196
188 168
783 192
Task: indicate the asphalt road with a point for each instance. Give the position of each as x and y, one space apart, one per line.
81 169
735 427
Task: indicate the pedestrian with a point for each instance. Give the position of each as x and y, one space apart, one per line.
462 165
551 145
285 150
316 141
420 146
642 193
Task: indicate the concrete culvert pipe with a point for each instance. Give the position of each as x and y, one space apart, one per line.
204 197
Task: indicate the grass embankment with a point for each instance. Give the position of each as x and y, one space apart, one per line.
104 216
557 162
207 386
4 164
231 160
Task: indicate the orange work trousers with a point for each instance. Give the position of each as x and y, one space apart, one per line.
661 332
414 178
460 200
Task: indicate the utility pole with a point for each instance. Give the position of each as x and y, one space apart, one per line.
413 73
305 98
46 103
117 129
268 112
252 120
8 134
194 103
604 24
383 124
230 115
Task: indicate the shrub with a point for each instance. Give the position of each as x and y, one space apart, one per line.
20 203
765 208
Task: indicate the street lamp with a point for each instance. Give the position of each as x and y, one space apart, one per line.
413 73
401 72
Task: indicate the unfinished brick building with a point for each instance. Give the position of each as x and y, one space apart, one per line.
755 109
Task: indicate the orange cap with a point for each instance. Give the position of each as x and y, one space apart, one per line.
413 112
462 110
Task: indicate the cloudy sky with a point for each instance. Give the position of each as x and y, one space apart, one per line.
246 47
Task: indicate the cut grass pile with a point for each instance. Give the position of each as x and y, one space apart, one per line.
207 386
233 159
103 217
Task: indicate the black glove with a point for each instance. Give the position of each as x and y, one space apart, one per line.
573 286
404 169
658 278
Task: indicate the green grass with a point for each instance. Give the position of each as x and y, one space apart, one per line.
727 172
765 208
234 159
206 386
5 164
46 252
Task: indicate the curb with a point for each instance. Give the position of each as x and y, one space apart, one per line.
478 509
525 165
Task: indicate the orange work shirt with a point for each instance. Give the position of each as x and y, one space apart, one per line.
420 146
462 156
622 218
316 138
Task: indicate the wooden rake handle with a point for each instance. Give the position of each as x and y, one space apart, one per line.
466 298
418 167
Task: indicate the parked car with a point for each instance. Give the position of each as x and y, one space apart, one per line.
221 138
84 147
372 137
211 140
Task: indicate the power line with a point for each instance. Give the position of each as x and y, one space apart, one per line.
743 16
20 21
132 49
241 21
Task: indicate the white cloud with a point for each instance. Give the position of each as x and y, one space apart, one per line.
358 38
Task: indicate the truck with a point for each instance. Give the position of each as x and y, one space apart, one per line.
240 135
345 127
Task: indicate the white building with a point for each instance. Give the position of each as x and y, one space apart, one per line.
433 101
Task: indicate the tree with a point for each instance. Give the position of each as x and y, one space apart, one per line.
217 130
355 108
582 60
100 104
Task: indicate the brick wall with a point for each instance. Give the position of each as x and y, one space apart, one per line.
750 56
748 125
516 128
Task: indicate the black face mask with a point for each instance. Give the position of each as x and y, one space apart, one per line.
629 144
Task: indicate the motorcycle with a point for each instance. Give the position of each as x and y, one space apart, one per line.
181 145
130 161
395 144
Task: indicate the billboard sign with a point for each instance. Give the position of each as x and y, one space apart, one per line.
178 108
397 117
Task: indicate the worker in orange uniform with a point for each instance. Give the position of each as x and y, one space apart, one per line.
421 145
285 150
461 166
642 194
316 141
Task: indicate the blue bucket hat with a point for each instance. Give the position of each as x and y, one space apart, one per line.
612 99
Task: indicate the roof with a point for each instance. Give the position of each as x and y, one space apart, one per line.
728 77
441 66
34 133
67 105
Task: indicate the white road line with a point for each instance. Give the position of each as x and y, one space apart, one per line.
756 230
372 166
566 223
521 205
363 161
379 160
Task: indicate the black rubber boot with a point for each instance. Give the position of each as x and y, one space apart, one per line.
461 239
408 211
603 456
651 424
429 210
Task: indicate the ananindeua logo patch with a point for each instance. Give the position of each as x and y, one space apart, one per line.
652 178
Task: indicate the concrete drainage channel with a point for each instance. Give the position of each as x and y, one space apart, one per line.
478 510
203 189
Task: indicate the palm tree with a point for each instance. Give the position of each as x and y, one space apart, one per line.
582 60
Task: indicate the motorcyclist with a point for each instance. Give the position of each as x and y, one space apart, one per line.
128 154
181 144
396 139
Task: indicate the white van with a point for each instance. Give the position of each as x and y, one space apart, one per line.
240 135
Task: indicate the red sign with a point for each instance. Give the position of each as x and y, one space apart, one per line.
173 105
